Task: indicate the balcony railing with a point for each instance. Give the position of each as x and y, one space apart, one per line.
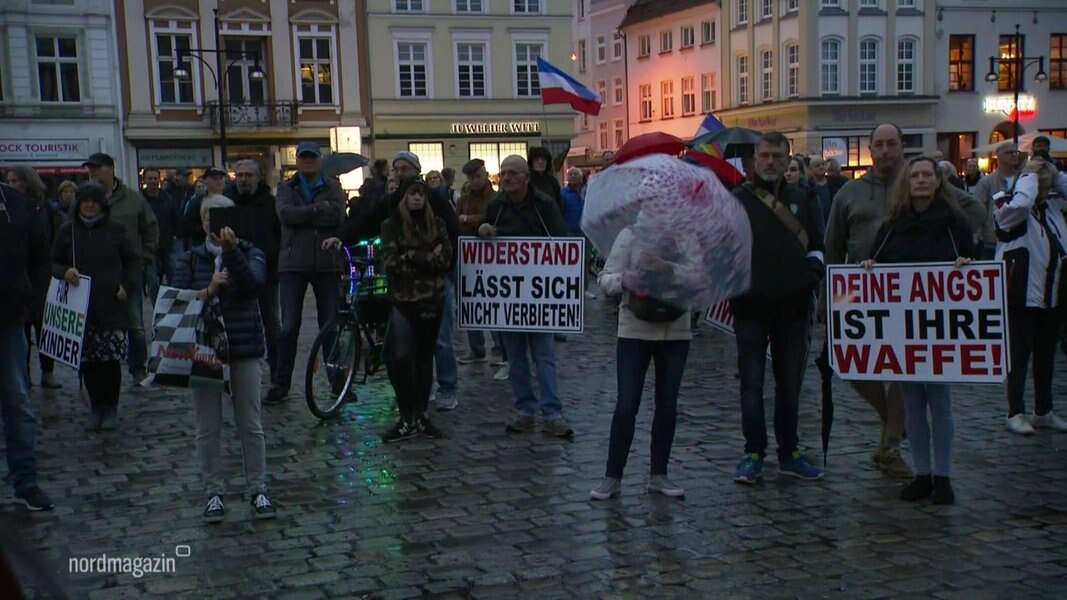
278 115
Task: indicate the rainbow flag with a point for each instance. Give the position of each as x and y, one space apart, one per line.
709 125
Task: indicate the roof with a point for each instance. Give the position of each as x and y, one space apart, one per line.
646 10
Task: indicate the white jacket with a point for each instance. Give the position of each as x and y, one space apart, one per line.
1033 254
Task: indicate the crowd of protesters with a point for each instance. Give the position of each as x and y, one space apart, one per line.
804 215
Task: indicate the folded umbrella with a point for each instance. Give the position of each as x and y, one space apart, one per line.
340 163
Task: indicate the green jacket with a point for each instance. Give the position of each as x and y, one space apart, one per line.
127 207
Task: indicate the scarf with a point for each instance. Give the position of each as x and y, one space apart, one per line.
93 221
216 251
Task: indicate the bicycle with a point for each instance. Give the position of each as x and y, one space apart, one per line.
358 330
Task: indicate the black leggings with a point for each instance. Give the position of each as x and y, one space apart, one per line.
103 381
413 332
1033 332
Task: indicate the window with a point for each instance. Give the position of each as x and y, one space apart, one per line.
707 92
1006 66
585 121
581 56
742 12
868 3
431 155
792 5
410 5
707 32
527 85
603 135
470 69
616 46
689 96
766 59
868 66
961 63
905 66
472 6
792 61
168 46
829 67
831 3
905 3
645 93
526 6
619 91
644 46
666 90
1 80
601 49
688 36
766 9
1057 61
620 132
666 41
316 69
57 69
239 86
492 153
581 9
742 80
602 89
411 70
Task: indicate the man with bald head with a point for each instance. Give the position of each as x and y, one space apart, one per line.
998 183
521 211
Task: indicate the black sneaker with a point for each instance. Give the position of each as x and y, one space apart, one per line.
400 432
276 396
215 511
262 508
428 429
920 488
35 499
942 492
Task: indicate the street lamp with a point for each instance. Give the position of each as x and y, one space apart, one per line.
256 75
1020 66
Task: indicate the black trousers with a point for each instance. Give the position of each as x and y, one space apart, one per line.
48 365
1033 331
103 381
413 330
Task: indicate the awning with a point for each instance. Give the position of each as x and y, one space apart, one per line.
577 151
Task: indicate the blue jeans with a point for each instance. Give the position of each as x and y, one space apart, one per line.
789 346
632 358
937 396
137 348
444 353
291 289
20 426
543 348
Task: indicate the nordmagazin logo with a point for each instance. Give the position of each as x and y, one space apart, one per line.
136 566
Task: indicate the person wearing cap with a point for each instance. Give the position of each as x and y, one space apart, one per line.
996 185
311 208
128 208
1042 146
214 183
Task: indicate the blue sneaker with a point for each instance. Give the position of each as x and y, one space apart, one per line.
749 469
797 466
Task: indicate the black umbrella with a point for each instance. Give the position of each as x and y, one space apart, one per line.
729 136
340 163
827 373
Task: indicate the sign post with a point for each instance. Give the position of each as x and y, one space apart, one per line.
63 330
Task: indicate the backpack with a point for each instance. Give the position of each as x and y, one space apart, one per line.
647 308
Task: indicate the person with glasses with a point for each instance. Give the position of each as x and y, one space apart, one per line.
998 184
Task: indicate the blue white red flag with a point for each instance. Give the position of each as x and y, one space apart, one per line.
558 87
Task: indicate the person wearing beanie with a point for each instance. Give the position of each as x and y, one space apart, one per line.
542 177
94 245
417 254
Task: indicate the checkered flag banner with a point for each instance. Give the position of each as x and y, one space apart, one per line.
181 354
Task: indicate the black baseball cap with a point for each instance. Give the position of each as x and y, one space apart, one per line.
308 147
472 166
212 171
99 159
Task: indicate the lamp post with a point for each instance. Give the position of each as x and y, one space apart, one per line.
219 74
1021 63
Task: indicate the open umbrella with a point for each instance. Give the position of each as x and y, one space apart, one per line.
727 173
340 163
728 136
649 143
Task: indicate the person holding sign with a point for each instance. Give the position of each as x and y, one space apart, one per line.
93 245
663 337
417 255
923 226
521 211
1033 244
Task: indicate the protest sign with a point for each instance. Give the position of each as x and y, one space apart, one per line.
720 317
63 328
928 322
522 284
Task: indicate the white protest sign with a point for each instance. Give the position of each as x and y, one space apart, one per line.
720 317
931 322
522 284
63 329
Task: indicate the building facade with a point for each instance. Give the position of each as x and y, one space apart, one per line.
673 64
599 48
310 57
826 72
974 112
59 91
453 80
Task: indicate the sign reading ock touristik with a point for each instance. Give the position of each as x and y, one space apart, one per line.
63 328
929 322
522 284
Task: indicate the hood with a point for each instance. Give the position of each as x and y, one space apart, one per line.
539 152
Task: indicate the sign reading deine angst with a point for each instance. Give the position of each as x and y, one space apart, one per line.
522 284
927 322
63 328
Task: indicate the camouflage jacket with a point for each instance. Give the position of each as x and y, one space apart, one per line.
415 271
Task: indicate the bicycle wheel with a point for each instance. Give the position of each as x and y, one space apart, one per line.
331 369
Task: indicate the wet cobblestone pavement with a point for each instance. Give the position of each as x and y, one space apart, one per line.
487 514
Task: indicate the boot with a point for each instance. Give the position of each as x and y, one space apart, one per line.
110 420
48 381
93 422
921 487
943 493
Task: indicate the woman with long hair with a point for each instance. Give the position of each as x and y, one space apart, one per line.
417 256
924 225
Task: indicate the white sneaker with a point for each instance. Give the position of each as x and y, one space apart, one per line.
660 484
1048 421
502 374
1018 424
607 488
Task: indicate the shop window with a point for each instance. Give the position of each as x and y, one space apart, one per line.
431 155
492 153
961 63
57 69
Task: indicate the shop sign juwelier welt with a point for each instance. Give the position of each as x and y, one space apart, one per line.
44 150
495 127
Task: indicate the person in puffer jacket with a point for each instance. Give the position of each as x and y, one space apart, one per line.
231 272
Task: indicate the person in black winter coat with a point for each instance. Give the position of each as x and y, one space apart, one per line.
542 178
231 272
924 225
93 245
168 216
